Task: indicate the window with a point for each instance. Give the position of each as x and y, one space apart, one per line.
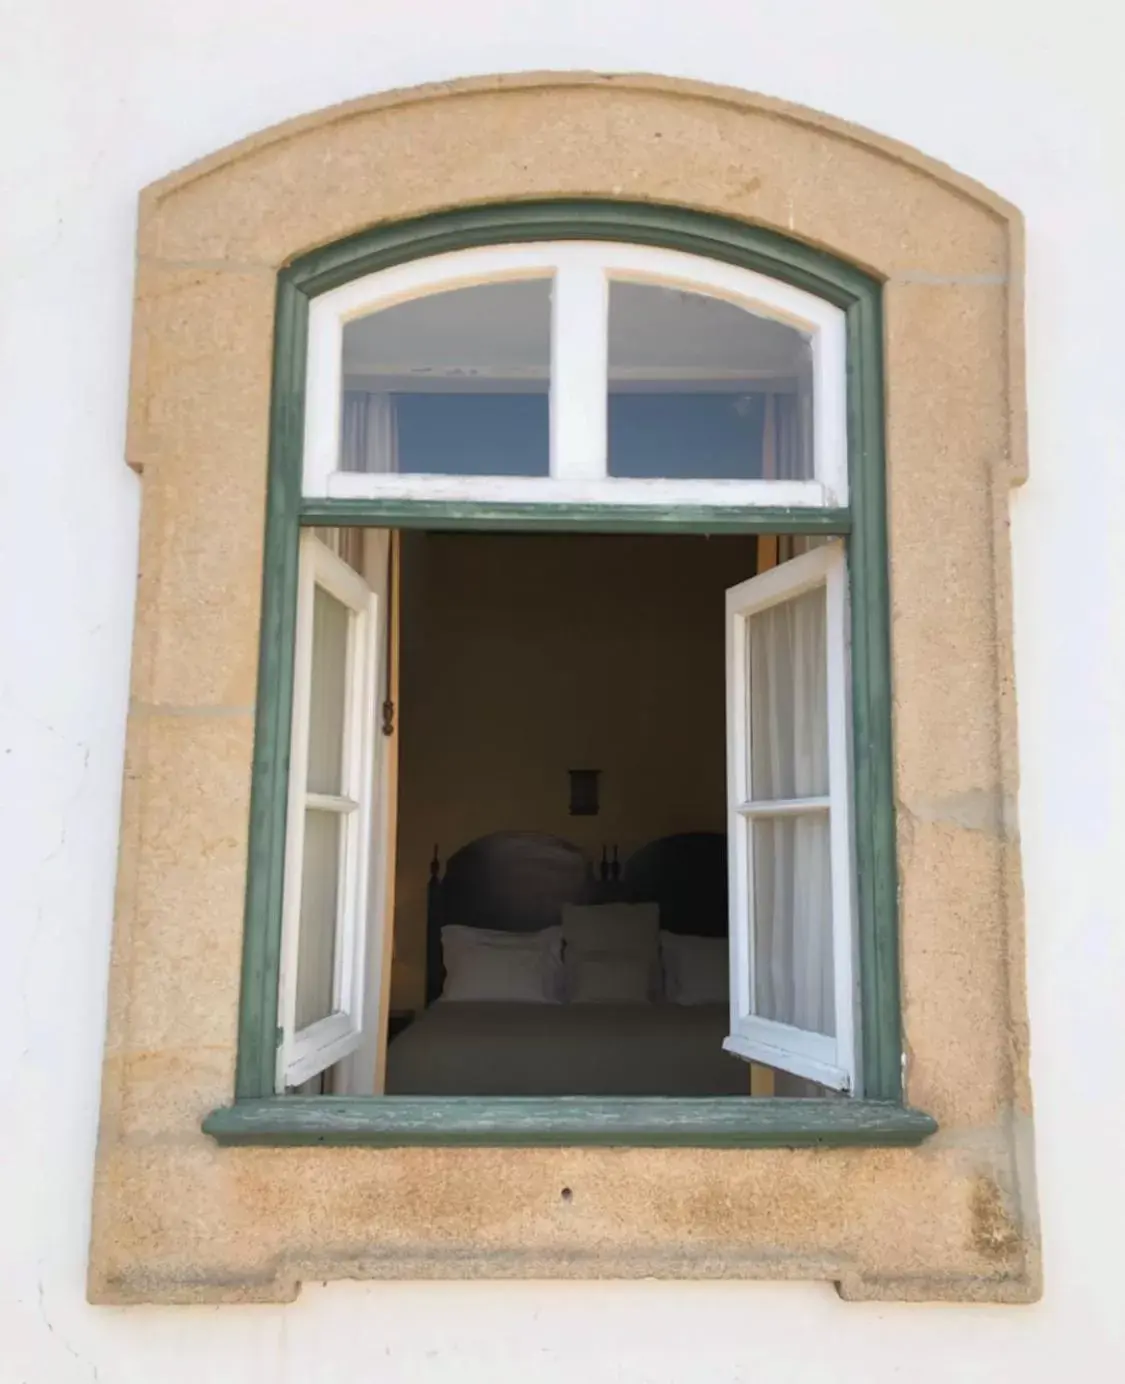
606 385
225 284
588 371
325 960
789 781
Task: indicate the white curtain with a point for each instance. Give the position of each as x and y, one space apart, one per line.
784 447
789 759
368 432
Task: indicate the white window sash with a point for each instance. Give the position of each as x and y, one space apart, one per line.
833 1060
302 1053
608 490
581 274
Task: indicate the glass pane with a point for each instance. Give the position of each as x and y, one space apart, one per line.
700 389
328 693
316 946
793 968
788 681
451 384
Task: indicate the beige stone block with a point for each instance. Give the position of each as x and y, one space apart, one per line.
196 641
168 1091
947 414
201 365
946 448
204 440
255 1222
187 895
576 135
952 922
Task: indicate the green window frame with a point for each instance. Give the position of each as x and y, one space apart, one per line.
257 1115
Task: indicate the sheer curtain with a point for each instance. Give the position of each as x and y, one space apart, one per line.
793 963
784 443
368 432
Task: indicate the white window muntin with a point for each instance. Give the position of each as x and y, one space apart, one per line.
830 1060
582 272
305 1052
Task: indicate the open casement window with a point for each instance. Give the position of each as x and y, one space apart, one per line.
604 368
791 932
575 373
333 966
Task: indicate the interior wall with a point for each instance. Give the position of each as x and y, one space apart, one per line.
524 656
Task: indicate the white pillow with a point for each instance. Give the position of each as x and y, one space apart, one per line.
696 969
611 952
484 965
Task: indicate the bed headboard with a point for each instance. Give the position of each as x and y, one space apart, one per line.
686 875
518 881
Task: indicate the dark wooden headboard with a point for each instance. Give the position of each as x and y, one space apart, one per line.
518 881
687 876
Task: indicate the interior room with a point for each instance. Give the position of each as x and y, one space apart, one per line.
560 916
548 914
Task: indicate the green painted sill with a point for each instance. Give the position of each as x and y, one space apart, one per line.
515 1121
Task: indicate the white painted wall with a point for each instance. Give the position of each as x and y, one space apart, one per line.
98 99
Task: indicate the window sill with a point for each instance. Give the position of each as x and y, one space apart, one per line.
638 1121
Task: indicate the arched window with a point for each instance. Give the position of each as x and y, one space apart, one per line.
575 383
595 372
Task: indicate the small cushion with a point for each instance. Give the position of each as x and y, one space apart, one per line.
696 969
611 953
485 965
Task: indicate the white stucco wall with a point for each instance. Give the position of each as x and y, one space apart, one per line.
98 99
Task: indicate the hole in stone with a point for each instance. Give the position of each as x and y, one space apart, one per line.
567 1194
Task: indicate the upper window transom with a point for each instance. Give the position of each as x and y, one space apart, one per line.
576 372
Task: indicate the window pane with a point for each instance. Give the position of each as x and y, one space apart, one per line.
316 946
788 679
328 693
451 384
793 967
700 389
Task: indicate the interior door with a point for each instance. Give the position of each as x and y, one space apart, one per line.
336 923
792 1001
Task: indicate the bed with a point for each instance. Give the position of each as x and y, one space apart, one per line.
520 882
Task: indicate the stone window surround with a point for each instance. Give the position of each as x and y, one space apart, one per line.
954 1218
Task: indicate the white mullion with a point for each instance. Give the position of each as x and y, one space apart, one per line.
594 489
839 819
579 366
324 1042
295 833
330 802
811 1055
784 807
323 398
346 852
350 929
740 858
830 409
